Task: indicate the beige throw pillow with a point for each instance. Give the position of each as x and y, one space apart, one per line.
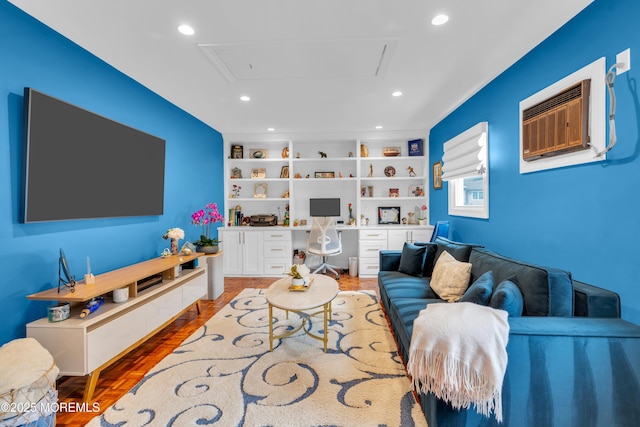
450 277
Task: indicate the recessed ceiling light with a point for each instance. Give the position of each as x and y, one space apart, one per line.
440 19
245 98
187 30
378 127
396 93
270 129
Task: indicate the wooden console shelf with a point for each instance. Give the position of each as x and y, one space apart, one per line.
126 276
86 346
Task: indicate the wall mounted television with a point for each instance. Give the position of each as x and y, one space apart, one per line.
324 207
80 165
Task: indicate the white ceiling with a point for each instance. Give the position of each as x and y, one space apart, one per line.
309 66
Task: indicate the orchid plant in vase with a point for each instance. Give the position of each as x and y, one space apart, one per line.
206 218
422 215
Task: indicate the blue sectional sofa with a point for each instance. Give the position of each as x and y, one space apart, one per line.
572 361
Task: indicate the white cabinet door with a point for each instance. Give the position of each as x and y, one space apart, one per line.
252 253
233 256
421 235
396 238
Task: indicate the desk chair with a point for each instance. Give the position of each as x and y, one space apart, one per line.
325 241
441 229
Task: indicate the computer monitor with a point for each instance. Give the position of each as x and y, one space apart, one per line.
324 207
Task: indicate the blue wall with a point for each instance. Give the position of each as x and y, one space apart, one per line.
585 219
33 55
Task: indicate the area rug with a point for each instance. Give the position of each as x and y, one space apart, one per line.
224 374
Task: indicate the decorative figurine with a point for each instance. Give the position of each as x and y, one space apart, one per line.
323 155
370 170
411 171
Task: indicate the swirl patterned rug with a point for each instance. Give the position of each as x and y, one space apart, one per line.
224 374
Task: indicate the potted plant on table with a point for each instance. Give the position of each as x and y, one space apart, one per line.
206 218
299 274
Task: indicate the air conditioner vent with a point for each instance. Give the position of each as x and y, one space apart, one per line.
557 125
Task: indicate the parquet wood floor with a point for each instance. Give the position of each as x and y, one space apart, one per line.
119 378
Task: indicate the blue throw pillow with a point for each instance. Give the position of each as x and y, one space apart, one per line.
480 291
411 259
507 297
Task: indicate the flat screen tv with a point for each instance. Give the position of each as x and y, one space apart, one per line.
80 165
324 207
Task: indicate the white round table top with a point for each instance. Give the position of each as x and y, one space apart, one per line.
322 290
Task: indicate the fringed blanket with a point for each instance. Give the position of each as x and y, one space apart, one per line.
458 352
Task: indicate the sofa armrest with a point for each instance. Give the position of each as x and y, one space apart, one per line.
592 301
390 260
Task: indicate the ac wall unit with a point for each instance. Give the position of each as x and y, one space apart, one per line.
557 125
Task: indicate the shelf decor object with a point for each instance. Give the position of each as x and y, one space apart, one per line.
391 151
390 171
260 190
325 175
258 173
389 215
237 151
258 153
284 172
416 147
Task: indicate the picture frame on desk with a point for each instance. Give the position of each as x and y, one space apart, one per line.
389 215
416 147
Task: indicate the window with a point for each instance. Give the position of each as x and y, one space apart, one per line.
466 170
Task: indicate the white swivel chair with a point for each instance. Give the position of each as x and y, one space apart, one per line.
324 240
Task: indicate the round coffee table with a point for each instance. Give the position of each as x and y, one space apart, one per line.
320 293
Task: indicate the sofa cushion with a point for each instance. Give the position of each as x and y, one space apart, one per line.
450 277
480 291
393 284
458 250
429 257
546 291
412 259
507 297
402 312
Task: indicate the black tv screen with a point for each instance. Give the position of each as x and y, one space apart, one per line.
324 207
80 165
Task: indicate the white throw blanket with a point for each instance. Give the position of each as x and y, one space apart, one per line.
458 352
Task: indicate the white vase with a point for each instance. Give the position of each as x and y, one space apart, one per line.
421 221
297 282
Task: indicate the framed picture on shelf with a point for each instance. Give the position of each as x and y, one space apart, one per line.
394 192
258 173
324 175
437 175
389 215
237 151
416 190
236 173
258 153
260 191
284 172
416 147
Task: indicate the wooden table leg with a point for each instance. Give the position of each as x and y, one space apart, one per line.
271 327
90 386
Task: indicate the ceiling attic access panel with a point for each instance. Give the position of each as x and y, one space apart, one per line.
557 125
301 59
